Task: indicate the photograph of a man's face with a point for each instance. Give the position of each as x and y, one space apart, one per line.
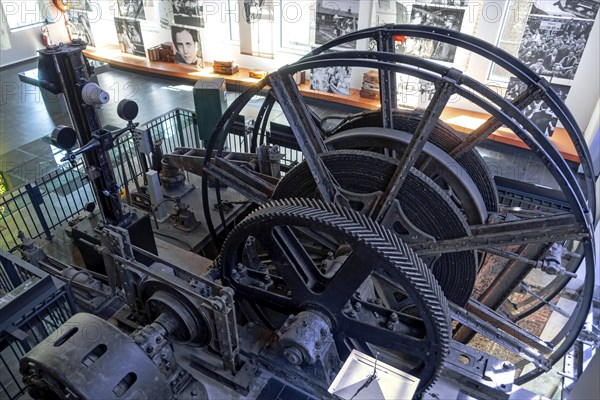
188 49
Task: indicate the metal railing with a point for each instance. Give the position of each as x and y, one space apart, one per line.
39 207
33 304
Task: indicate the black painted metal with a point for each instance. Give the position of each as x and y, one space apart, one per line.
492 124
293 282
508 114
502 111
421 212
439 164
416 145
387 82
68 70
500 57
308 135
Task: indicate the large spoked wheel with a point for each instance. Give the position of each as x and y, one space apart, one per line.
467 177
422 210
532 233
379 297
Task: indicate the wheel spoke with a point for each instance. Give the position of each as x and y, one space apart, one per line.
387 82
346 281
246 182
391 340
296 266
483 327
414 148
536 230
305 130
492 124
339 291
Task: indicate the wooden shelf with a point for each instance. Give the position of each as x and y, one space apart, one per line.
463 121
113 56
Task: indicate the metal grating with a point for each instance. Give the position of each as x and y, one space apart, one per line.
33 304
526 196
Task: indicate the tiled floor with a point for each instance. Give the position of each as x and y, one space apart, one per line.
25 126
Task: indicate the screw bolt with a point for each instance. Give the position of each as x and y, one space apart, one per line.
293 355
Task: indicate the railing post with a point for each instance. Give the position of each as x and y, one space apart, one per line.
11 272
195 134
36 199
182 142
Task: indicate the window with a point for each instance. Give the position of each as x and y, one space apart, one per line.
25 13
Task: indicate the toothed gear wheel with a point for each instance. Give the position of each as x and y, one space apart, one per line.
378 296
425 205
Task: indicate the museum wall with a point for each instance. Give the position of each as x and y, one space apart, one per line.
267 35
22 44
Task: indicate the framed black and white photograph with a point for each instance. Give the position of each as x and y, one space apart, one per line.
256 10
130 38
331 80
188 12
81 28
80 5
187 45
448 18
335 19
132 9
391 12
585 9
539 113
554 46
426 90
256 27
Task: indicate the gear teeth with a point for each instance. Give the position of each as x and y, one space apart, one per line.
428 207
417 279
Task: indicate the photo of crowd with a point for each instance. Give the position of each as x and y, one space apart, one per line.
132 9
331 80
538 112
585 9
335 19
448 18
130 36
553 46
188 12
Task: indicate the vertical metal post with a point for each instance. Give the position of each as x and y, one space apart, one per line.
11 272
182 142
36 199
156 196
